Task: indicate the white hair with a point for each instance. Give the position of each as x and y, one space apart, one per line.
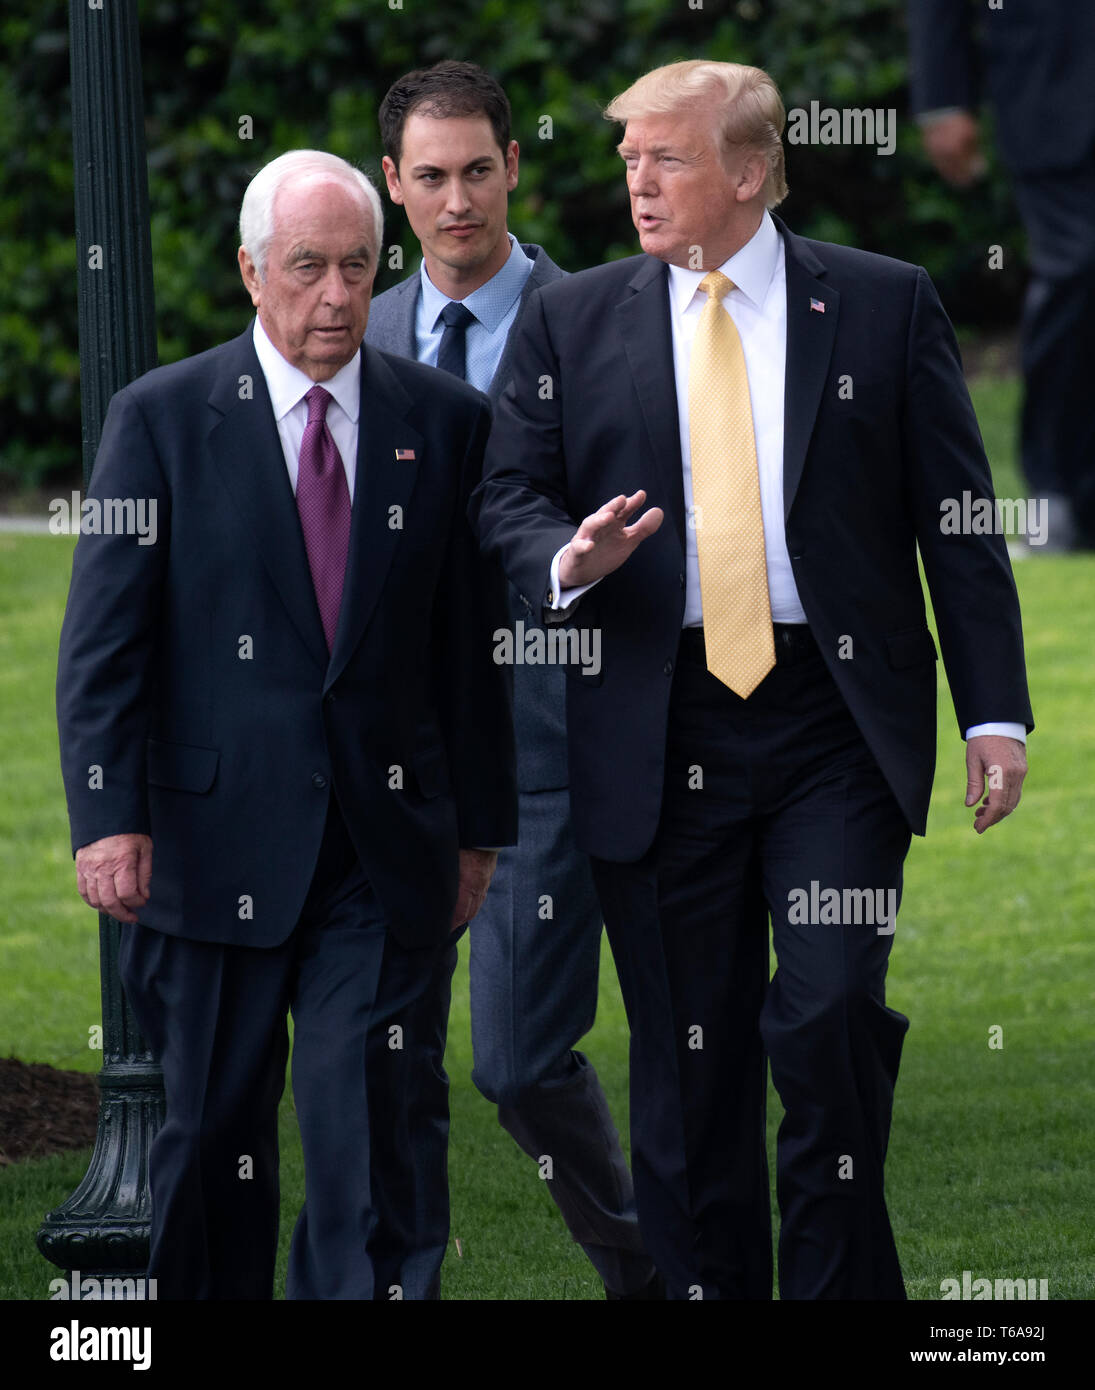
257 208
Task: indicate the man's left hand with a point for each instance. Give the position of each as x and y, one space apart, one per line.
1002 763
476 871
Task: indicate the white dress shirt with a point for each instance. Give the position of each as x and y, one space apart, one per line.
758 307
288 386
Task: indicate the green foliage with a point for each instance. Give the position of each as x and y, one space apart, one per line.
314 76
39 368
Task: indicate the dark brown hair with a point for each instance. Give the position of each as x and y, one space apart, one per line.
447 89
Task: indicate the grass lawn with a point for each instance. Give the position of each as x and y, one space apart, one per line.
989 1167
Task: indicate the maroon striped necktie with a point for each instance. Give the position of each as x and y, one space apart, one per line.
323 501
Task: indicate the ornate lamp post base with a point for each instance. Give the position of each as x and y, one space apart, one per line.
102 1230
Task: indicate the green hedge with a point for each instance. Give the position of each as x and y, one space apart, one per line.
314 75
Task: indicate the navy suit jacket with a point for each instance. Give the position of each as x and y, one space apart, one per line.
864 476
539 715
194 673
1035 61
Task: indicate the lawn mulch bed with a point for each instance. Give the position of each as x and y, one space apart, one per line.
43 1110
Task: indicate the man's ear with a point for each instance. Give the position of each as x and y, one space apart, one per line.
250 276
754 172
391 175
513 155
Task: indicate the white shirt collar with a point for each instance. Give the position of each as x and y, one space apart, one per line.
288 384
751 269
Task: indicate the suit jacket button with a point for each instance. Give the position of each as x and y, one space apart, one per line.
318 781
681 577
668 668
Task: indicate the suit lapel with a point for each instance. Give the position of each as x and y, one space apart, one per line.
644 325
246 449
811 333
408 290
382 482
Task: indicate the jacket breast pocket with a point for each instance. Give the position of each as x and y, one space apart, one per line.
181 766
910 648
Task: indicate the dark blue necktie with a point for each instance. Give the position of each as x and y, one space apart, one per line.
452 354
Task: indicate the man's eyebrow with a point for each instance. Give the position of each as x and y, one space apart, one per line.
303 253
426 168
623 148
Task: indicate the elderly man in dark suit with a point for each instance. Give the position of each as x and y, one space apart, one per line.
1034 60
290 699
535 946
762 728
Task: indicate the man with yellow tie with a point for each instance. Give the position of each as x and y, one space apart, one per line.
760 738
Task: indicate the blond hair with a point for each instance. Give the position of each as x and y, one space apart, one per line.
746 103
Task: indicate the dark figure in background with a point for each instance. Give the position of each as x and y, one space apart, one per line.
1035 62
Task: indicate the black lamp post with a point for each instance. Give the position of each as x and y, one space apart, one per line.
103 1228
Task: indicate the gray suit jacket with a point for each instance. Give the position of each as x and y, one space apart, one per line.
539 715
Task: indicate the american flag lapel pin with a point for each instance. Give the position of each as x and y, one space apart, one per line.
817 305
404 456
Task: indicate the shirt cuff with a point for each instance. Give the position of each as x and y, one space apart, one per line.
1002 730
559 600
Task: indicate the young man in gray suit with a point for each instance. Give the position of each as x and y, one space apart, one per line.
535 950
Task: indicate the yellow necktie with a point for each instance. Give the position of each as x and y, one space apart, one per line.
737 617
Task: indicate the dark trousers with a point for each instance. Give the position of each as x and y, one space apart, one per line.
1058 426
768 801
533 981
533 988
362 1009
